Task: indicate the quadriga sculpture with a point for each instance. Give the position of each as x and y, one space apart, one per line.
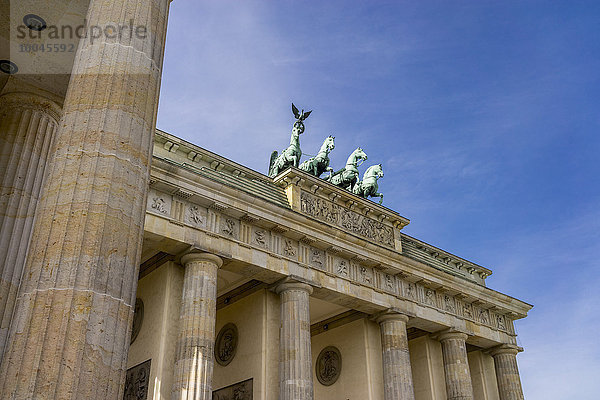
291 155
368 186
320 163
346 177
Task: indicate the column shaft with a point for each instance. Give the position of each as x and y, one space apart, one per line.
456 366
70 334
194 359
507 372
295 359
397 372
27 126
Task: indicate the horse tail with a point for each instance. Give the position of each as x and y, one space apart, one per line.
274 155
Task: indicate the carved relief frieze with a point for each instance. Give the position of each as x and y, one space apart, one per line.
159 203
500 322
260 238
290 248
195 215
365 275
389 283
348 220
483 316
467 310
429 297
230 227
343 268
410 290
449 304
356 269
317 258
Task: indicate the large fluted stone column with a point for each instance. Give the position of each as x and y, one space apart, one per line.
194 359
456 365
507 372
71 328
28 123
397 373
295 358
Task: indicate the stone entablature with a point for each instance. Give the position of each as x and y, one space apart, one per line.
287 244
191 200
322 201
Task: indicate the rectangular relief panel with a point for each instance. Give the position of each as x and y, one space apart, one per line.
238 391
136 382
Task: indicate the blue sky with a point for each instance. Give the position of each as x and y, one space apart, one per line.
484 115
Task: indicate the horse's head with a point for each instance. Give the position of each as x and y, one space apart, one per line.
377 170
330 143
359 156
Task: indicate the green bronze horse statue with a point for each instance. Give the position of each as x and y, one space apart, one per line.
368 186
291 155
320 163
346 177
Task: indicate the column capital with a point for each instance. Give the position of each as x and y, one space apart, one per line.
294 282
504 349
449 334
391 314
198 257
26 100
293 285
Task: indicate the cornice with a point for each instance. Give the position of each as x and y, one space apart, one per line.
196 154
441 259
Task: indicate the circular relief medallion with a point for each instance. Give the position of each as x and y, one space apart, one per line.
226 344
8 67
329 365
138 317
34 22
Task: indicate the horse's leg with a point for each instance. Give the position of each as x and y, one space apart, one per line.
380 197
352 184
